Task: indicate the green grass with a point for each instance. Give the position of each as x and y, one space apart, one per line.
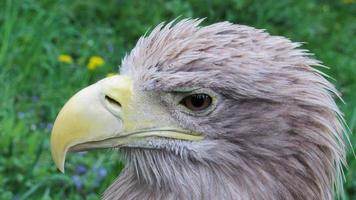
34 84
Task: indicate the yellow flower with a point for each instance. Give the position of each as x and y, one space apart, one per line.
111 74
95 62
65 58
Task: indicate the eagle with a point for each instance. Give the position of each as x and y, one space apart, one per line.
222 111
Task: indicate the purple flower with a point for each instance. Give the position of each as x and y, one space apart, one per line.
21 115
82 153
49 126
102 172
35 98
80 170
77 182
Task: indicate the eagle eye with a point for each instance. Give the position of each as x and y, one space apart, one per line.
196 102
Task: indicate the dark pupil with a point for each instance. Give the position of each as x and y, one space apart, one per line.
198 100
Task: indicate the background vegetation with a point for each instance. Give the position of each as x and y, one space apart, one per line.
35 81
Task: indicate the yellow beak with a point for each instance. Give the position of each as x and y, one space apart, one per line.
110 114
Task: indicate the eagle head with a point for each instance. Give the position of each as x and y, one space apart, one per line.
224 111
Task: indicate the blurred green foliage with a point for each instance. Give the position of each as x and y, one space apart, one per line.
34 84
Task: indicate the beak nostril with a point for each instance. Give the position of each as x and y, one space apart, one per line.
112 101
